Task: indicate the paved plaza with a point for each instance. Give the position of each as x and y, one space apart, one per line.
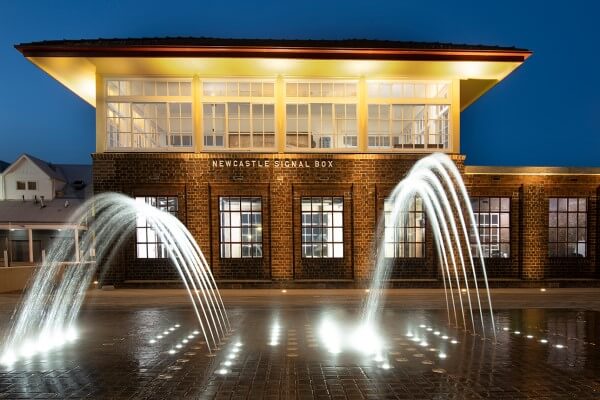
287 346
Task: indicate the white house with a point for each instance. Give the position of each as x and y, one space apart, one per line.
37 200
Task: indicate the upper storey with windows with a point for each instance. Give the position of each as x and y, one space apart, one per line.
207 95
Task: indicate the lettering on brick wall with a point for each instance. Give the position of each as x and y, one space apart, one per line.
272 164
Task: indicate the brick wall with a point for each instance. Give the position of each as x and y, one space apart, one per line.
363 181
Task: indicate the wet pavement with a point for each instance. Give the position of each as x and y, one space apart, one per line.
300 347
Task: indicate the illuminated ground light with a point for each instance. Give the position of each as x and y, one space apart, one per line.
275 330
529 336
517 332
559 346
179 346
505 329
437 333
422 326
453 341
423 344
31 347
386 365
152 341
172 351
445 337
222 371
442 356
330 335
195 332
544 341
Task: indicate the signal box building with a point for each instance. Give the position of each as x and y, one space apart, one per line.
278 155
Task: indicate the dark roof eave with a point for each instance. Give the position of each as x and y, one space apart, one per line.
364 53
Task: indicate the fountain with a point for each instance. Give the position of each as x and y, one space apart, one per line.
437 182
47 315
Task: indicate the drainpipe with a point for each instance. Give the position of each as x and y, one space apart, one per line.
30 239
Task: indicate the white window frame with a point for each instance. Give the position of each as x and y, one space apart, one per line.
251 100
411 101
405 236
131 99
329 100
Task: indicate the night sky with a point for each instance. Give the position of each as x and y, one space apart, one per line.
545 113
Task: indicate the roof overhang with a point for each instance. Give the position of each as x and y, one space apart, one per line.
76 66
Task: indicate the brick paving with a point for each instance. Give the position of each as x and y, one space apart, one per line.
281 355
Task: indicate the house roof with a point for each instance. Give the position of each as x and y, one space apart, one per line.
27 212
49 169
79 180
3 165
274 48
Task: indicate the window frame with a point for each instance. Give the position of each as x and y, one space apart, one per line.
251 226
335 244
426 102
160 254
30 184
24 183
333 101
481 227
406 244
230 99
577 212
150 99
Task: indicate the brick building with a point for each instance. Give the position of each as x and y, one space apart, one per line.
278 155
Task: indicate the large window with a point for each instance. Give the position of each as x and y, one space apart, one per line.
240 224
146 114
321 115
322 227
492 216
408 115
405 237
238 114
567 227
148 243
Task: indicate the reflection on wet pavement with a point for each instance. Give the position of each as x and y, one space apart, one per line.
308 352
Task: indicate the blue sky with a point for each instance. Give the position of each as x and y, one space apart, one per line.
546 113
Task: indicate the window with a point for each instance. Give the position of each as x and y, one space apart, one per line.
149 114
408 115
148 244
567 227
492 216
240 224
31 185
239 114
321 115
20 185
405 237
323 227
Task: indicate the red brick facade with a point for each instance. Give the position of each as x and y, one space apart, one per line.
281 180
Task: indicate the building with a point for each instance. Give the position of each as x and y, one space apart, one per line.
279 154
38 200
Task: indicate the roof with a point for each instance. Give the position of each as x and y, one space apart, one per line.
45 166
3 165
274 48
491 170
79 180
18 211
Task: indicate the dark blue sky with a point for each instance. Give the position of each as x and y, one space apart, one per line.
546 113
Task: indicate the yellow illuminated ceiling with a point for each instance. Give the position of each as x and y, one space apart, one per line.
79 73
